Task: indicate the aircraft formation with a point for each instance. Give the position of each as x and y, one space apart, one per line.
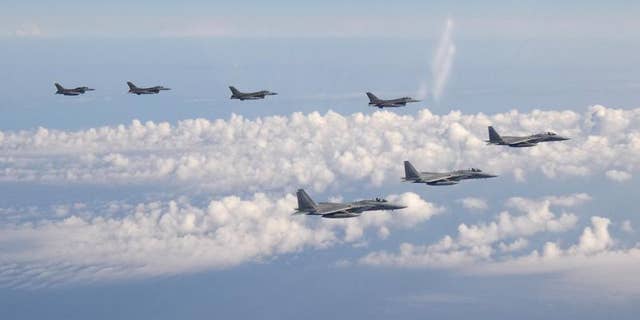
306 205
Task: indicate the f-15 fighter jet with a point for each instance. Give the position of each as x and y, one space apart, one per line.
522 142
340 210
442 178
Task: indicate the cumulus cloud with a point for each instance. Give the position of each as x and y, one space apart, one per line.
594 263
474 204
618 176
516 245
594 248
474 243
315 150
119 241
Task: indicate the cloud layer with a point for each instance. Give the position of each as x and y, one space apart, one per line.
478 242
75 243
596 261
317 151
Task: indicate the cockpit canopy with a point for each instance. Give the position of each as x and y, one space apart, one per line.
475 170
549 133
381 200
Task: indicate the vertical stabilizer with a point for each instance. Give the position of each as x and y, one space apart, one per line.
234 91
494 137
372 98
410 172
305 203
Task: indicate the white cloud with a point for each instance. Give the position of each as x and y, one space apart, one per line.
627 226
594 239
519 175
119 241
516 245
618 176
593 264
314 150
593 249
474 204
473 243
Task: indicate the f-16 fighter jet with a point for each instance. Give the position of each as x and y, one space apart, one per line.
441 178
71 92
151 90
236 94
394 103
340 210
522 142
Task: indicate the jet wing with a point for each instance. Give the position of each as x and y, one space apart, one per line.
440 177
342 209
517 141
390 105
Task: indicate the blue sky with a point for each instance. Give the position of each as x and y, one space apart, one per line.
177 204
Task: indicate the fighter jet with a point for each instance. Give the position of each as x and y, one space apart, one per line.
522 142
442 178
340 210
236 94
394 103
71 92
152 90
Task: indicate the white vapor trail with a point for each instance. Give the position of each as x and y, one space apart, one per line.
443 60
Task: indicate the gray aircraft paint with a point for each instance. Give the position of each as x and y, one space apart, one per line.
442 178
237 94
307 206
522 142
150 90
393 103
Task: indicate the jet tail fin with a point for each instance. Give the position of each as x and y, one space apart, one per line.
58 86
410 171
131 85
494 137
234 90
372 97
305 202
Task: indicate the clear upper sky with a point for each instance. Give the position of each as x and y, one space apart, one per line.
327 18
114 206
